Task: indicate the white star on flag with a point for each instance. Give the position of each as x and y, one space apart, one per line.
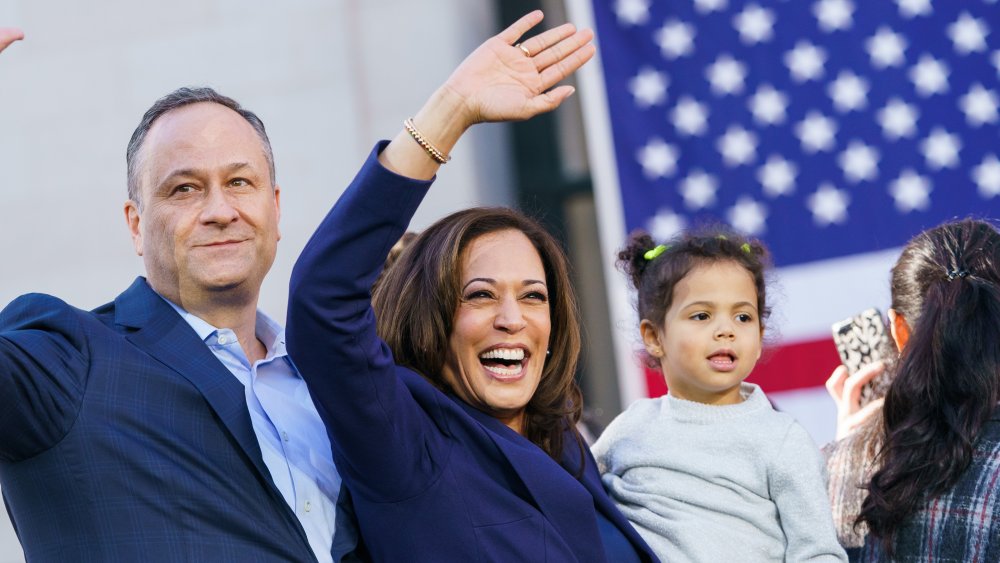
666 224
987 176
632 12
859 162
929 76
755 24
834 130
898 119
886 48
805 61
706 6
649 87
658 159
911 191
737 146
940 149
698 190
828 205
816 132
768 105
968 34
726 75
834 15
689 116
747 216
913 8
848 92
675 38
777 176
979 105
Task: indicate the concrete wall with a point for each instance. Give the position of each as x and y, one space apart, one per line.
328 77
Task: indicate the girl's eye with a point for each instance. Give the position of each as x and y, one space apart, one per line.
744 317
700 316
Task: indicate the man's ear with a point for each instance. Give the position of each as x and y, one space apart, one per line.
133 218
651 339
899 329
277 206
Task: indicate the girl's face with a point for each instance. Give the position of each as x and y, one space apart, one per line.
710 336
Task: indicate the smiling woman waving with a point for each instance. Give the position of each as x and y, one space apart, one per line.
449 396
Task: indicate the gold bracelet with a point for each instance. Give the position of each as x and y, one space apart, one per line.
432 151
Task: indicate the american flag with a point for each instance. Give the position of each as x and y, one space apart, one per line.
833 130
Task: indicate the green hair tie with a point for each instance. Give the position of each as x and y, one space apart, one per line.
658 250
746 248
722 237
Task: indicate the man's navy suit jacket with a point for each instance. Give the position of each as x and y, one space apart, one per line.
124 439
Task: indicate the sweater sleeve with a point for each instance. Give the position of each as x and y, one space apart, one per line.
796 480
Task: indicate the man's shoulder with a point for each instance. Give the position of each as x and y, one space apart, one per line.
43 308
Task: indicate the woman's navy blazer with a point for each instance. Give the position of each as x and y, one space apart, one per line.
432 478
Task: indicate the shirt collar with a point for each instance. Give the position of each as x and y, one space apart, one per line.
266 329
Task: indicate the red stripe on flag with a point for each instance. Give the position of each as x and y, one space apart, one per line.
784 368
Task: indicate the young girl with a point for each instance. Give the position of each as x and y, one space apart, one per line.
711 472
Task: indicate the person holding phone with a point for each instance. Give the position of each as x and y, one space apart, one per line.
932 492
862 342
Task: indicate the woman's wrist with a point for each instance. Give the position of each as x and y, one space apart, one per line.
418 151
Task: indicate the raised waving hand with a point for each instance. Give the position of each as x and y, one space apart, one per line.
502 80
9 35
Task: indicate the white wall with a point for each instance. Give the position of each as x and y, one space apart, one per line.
327 77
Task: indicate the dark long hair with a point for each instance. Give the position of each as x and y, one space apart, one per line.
416 299
947 285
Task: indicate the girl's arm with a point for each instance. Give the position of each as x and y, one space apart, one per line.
797 484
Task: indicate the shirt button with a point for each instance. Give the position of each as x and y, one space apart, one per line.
308 506
223 340
284 436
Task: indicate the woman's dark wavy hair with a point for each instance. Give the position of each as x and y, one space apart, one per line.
947 285
416 300
654 279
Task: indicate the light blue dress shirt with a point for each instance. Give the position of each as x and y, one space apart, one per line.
292 437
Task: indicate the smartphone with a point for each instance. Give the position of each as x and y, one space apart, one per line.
862 340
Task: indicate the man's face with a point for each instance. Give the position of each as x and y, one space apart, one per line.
208 227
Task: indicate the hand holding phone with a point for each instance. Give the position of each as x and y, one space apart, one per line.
862 340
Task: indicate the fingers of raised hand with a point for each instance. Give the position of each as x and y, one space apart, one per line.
565 57
835 384
540 44
548 101
520 27
852 385
9 35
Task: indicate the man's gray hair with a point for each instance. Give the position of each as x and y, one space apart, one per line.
179 98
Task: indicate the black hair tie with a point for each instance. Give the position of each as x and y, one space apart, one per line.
952 274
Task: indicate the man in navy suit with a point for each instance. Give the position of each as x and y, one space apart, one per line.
169 425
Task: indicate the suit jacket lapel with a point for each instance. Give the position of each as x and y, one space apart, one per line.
564 503
168 338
